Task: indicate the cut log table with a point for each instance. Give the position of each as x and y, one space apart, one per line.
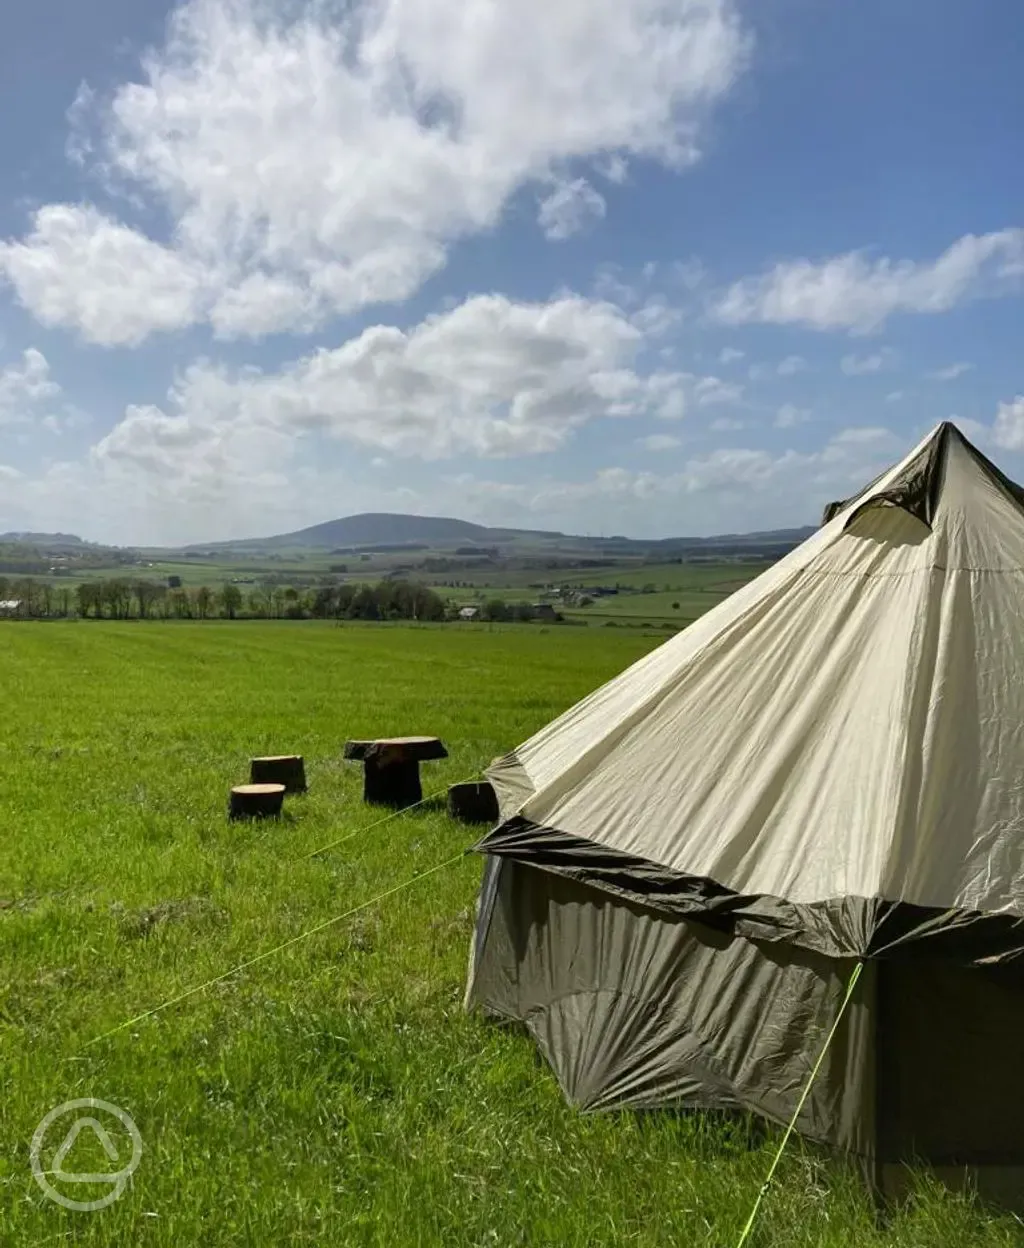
286 769
391 767
256 801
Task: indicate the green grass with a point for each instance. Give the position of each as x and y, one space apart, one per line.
335 1093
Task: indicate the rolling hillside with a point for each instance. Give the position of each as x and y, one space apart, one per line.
382 529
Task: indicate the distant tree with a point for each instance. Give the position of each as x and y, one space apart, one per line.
293 604
364 605
174 582
181 603
116 595
203 601
146 594
675 606
258 603
496 609
325 602
344 596
87 599
277 598
231 600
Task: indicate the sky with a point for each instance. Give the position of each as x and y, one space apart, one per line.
638 267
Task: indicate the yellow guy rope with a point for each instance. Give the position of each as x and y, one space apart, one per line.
377 822
269 953
854 976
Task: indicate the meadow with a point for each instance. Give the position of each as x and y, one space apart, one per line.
334 1092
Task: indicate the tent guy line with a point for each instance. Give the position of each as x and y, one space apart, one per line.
369 827
791 1126
269 953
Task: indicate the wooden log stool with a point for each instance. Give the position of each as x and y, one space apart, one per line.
286 769
391 767
475 802
256 801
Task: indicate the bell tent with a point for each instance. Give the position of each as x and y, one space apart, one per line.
825 770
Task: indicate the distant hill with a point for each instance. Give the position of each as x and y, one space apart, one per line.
383 529
51 541
395 531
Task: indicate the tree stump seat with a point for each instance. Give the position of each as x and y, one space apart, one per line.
474 802
391 767
256 801
286 769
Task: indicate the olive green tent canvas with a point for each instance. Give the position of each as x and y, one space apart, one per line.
827 768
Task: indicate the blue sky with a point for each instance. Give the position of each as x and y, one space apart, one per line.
610 266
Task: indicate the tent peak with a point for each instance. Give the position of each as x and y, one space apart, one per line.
915 484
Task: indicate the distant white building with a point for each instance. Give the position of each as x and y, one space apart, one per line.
10 606
469 613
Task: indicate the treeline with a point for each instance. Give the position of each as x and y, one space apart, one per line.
123 598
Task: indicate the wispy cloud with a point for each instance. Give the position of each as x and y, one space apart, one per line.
711 390
1008 428
659 442
856 292
950 373
859 365
25 387
788 416
568 208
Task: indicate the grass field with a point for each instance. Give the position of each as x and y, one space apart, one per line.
334 1093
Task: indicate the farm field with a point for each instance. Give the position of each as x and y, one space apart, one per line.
681 592
334 1092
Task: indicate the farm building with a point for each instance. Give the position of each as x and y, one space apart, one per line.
11 606
802 813
469 613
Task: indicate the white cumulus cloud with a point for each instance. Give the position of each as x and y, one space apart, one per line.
490 377
78 267
857 292
315 160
